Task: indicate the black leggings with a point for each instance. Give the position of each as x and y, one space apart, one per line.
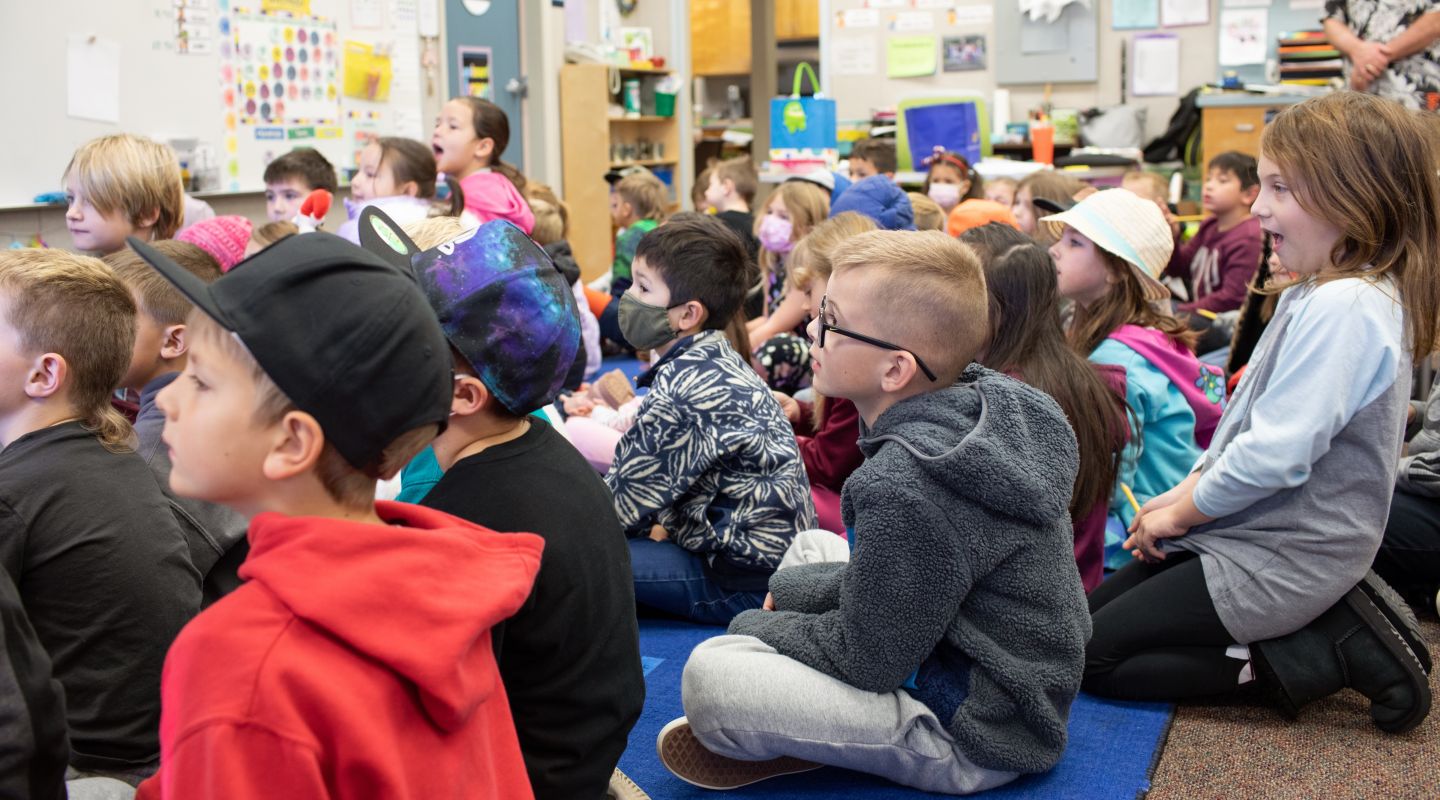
1157 636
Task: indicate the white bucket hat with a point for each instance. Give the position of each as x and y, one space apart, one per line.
1126 225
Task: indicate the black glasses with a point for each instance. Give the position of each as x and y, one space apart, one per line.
826 326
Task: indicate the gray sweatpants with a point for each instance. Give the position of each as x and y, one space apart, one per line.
748 702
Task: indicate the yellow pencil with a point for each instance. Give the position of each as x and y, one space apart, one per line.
1206 313
1129 495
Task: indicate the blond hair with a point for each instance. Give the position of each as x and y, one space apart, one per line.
549 225
811 257
158 298
75 306
929 295
1051 186
272 232
1385 203
808 206
928 214
646 195
1156 188
545 194
131 175
345 484
740 171
432 231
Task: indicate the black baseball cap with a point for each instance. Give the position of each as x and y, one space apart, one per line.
345 335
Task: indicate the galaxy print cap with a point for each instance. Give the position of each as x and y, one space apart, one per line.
500 301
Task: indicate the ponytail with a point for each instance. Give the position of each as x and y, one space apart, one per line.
453 203
111 428
511 174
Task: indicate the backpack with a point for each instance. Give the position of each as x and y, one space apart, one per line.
1181 139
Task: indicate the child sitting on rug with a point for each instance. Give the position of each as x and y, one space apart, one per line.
946 653
707 481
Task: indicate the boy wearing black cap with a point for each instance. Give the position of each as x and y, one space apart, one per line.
570 658
356 659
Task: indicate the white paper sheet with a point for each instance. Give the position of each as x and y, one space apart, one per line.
860 18
367 14
1174 13
1245 3
1155 65
972 15
92 78
1243 36
429 17
912 22
1306 5
854 55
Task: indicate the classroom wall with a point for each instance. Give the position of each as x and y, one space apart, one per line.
858 96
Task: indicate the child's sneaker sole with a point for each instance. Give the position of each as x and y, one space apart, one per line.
688 760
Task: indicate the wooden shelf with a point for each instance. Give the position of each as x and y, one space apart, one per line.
643 71
653 162
643 119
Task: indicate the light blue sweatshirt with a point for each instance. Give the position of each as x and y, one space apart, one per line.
1160 453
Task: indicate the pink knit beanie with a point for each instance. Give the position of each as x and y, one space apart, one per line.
224 238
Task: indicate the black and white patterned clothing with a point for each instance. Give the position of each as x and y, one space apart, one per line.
1413 81
712 459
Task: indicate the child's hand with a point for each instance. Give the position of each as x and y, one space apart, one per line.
577 405
658 533
788 405
1149 528
769 604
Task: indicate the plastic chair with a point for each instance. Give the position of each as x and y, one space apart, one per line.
959 122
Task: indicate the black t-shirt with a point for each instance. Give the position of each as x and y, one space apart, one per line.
743 223
570 659
33 748
104 573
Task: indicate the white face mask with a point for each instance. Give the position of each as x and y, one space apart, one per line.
945 195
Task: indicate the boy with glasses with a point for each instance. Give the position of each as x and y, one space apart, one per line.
945 654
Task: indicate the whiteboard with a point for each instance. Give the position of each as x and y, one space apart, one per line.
166 95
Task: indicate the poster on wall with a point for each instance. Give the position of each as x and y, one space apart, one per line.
964 53
286 70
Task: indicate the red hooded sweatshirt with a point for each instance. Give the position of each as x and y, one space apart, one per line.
355 662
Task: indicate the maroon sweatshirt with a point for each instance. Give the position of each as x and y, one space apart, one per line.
1218 265
830 453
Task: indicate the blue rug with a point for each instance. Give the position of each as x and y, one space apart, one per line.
1113 745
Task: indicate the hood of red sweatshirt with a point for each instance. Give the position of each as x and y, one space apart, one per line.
418 595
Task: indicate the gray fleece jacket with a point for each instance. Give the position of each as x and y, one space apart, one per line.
962 571
1420 468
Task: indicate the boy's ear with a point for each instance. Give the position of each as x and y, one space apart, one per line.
729 186
296 447
470 397
48 373
174 342
692 315
900 371
383 237
1247 196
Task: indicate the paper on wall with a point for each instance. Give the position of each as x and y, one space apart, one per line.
367 14
1045 10
1130 14
1243 33
859 18
1175 13
912 21
933 4
910 56
1305 5
1246 3
1155 65
428 12
92 78
854 55
972 15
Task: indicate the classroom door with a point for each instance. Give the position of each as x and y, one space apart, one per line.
483 37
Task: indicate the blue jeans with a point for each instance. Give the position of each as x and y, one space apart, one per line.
671 579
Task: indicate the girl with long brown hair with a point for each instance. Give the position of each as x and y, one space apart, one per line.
1254 568
1027 342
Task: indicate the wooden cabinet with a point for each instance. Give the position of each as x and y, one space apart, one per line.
720 37
720 32
588 139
